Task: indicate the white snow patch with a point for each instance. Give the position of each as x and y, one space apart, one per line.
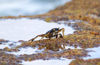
48 62
95 53
28 51
25 29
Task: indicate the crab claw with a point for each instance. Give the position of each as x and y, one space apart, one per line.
63 30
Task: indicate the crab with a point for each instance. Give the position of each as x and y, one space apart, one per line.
55 32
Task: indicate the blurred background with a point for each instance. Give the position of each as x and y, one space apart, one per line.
28 7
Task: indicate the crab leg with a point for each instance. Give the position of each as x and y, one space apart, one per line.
43 35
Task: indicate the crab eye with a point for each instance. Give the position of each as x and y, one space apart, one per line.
57 29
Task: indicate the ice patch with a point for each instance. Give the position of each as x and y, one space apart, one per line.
25 29
48 62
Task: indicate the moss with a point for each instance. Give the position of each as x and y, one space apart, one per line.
3 62
8 59
48 19
85 62
98 63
